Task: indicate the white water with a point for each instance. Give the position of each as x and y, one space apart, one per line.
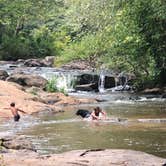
101 83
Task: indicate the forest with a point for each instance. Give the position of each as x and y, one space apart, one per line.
123 35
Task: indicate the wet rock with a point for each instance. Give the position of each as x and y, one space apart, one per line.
87 79
87 82
87 87
122 88
109 82
153 91
6 62
3 75
134 98
28 80
163 96
47 62
17 143
34 63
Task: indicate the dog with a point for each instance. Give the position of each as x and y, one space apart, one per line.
83 113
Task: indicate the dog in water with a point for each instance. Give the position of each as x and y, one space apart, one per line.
83 113
96 114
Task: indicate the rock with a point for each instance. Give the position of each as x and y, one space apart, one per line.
50 98
17 143
28 80
20 61
3 75
134 98
34 63
77 65
122 80
109 82
87 79
122 88
154 91
92 157
163 96
87 82
87 87
49 61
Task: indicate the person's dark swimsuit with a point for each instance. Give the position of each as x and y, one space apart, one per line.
16 118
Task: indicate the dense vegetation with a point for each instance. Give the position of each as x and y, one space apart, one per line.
126 35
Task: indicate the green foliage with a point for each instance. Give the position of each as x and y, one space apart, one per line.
51 85
27 28
124 35
62 90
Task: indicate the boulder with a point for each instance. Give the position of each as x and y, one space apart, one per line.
109 82
3 75
87 79
49 61
46 62
34 63
28 80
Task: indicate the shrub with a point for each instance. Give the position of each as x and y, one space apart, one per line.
51 85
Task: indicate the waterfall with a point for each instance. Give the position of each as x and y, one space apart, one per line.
101 83
64 80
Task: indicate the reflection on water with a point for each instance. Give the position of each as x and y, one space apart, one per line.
55 133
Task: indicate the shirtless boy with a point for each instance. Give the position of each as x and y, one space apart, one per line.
15 111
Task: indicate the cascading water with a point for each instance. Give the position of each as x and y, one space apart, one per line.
101 83
64 81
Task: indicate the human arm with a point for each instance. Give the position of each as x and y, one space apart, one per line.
6 108
94 117
104 113
21 111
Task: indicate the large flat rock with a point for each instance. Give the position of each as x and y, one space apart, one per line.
111 157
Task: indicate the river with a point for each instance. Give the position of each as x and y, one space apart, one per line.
143 125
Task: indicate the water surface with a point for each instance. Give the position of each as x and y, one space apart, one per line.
56 133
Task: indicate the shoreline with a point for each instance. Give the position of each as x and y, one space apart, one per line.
97 157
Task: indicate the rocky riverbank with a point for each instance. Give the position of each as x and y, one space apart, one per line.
31 102
18 151
29 95
98 157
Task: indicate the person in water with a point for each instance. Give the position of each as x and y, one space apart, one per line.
15 111
98 114
94 115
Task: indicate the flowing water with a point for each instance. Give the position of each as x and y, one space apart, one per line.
56 133
142 126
